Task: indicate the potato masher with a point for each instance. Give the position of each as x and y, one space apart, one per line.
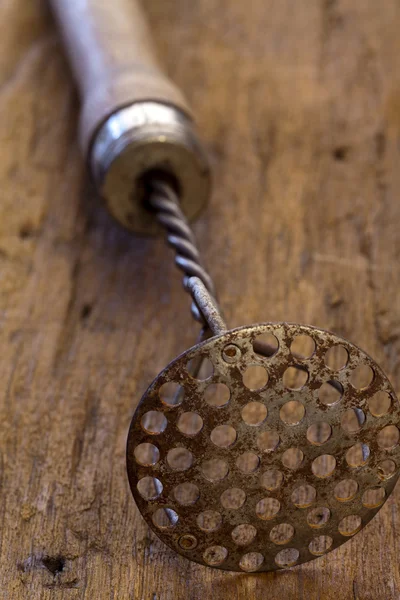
260 447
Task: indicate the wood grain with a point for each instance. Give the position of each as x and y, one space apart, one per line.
299 104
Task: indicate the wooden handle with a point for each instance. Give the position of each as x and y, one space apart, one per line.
112 58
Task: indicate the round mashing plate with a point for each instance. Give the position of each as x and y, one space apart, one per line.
264 447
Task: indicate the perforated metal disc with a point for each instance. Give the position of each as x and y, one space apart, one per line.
264 461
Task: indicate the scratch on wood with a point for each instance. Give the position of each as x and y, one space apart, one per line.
355 263
38 49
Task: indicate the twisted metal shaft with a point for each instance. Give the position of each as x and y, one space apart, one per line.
165 202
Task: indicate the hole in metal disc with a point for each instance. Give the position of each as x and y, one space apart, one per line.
295 378
149 488
352 420
336 358
209 520
190 423
217 395
267 508
171 394
215 555
380 403
346 490
350 525
388 437
268 441
233 498
318 517
357 455
255 377
248 462
373 497
287 557
303 346
266 345
165 518
292 458
362 377
244 534
154 422
223 436
386 469
281 534
320 545
200 368
323 466
251 562
179 459
254 413
215 469
304 496
319 433
147 454
186 493
292 412
330 392
271 480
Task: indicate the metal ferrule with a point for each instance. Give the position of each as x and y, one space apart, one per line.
142 138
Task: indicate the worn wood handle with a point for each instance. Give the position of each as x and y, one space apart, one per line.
112 58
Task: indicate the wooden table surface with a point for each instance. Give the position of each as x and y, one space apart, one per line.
299 106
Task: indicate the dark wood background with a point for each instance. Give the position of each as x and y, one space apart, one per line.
299 105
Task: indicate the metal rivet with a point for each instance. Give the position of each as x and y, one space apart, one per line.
187 542
231 353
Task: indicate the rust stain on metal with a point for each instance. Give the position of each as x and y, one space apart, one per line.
298 515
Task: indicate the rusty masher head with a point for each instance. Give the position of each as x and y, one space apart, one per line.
278 449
